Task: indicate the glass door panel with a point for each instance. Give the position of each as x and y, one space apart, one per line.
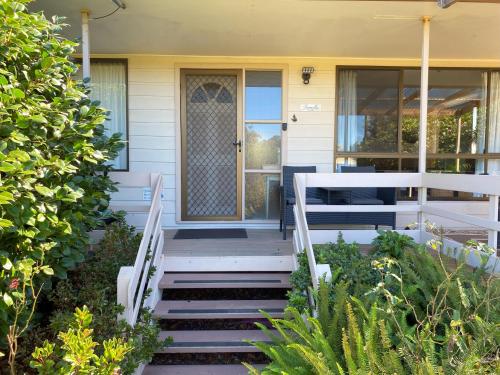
263 117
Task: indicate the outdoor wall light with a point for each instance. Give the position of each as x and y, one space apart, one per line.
119 3
306 74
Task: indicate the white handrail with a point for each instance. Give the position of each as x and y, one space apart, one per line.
479 184
132 281
317 271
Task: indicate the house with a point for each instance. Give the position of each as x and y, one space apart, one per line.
216 96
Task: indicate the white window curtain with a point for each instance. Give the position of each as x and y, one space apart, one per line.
109 86
347 118
494 123
479 125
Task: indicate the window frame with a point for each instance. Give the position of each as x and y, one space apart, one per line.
406 155
399 155
248 121
79 61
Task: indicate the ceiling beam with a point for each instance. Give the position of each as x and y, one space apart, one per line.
455 96
409 98
369 99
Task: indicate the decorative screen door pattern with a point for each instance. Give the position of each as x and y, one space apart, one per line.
211 185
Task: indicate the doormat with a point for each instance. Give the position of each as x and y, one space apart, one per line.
197 234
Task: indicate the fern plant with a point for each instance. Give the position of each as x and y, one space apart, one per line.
392 243
445 315
342 339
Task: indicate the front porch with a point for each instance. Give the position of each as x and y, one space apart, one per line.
263 250
269 243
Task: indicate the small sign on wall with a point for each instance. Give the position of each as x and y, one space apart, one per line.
310 107
146 194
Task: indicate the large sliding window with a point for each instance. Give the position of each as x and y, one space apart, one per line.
263 117
108 85
378 121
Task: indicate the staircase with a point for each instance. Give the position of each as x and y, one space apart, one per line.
209 315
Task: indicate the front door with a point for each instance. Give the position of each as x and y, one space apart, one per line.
211 144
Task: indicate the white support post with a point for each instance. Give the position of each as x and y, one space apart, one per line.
493 215
424 91
122 285
85 44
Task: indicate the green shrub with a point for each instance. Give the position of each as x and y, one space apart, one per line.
392 243
93 284
442 310
347 264
439 315
351 336
77 352
53 164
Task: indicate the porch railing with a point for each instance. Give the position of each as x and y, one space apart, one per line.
303 237
141 278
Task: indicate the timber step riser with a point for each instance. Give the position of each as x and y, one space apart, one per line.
221 341
224 280
223 294
200 359
196 370
219 309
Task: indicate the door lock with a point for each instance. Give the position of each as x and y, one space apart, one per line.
239 143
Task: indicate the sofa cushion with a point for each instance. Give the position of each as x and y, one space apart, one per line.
291 201
367 201
364 193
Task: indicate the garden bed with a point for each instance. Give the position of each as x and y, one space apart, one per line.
392 307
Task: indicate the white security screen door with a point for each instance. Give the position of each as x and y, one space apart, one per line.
211 145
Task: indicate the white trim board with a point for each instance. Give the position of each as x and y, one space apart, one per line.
228 263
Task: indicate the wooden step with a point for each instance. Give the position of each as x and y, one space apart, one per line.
224 280
221 341
221 309
197 370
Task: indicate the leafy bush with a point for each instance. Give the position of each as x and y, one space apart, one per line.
53 164
351 336
93 284
347 265
392 243
77 353
442 310
423 312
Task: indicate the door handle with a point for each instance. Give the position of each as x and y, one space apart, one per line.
239 143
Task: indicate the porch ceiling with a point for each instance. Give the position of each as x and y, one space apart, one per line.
285 27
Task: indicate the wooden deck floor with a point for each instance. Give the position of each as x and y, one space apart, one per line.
260 242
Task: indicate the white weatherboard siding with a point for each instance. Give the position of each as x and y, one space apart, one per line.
153 121
151 132
310 138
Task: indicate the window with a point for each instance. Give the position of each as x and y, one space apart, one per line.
368 111
263 95
263 117
456 111
378 120
108 84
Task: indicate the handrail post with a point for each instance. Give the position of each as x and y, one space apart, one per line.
133 280
122 295
493 215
